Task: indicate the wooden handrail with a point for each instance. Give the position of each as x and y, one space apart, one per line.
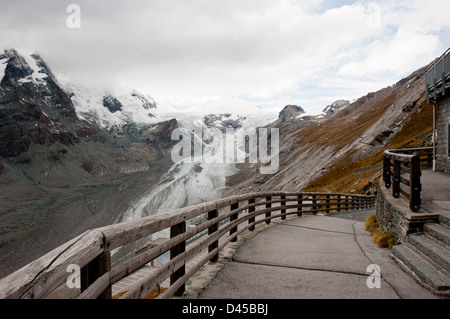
225 219
412 160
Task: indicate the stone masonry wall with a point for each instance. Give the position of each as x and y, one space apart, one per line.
442 152
389 217
393 214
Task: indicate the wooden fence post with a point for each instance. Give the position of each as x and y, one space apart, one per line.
300 209
430 159
327 202
211 230
387 171
268 205
175 251
251 210
415 186
94 270
396 179
314 201
283 211
233 218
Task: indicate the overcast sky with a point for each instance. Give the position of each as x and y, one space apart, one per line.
271 52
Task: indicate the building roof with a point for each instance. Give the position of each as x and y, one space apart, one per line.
438 78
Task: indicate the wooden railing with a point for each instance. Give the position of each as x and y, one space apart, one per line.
403 168
223 221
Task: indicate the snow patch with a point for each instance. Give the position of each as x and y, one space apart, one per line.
136 107
3 65
32 63
144 110
224 105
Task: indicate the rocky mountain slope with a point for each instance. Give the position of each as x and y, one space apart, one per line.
342 150
72 158
59 173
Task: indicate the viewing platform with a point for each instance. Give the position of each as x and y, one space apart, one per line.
435 201
291 245
411 193
215 226
435 192
314 257
414 203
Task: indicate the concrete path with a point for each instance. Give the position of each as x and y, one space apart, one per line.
313 257
435 193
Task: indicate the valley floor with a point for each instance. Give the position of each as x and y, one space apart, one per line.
36 219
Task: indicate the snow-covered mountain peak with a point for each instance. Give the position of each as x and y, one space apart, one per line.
335 107
120 106
224 105
125 105
24 68
112 108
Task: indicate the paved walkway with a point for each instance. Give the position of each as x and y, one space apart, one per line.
312 257
309 257
435 193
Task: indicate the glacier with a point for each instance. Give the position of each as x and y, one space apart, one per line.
189 183
184 183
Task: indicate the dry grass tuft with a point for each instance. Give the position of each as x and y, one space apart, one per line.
381 238
371 223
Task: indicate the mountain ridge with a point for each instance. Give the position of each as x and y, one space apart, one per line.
59 173
344 153
73 160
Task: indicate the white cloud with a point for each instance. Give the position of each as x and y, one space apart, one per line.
269 51
398 55
410 37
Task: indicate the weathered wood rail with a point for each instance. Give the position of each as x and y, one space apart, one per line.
398 162
223 221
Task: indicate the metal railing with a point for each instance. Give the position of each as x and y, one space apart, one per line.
438 77
398 165
91 251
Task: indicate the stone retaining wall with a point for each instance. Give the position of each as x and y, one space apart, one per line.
394 214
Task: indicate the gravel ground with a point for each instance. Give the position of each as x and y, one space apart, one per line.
36 220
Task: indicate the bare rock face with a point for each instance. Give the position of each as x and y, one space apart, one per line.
290 112
33 108
38 120
222 121
112 103
17 67
335 107
146 103
61 174
159 137
311 147
36 111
